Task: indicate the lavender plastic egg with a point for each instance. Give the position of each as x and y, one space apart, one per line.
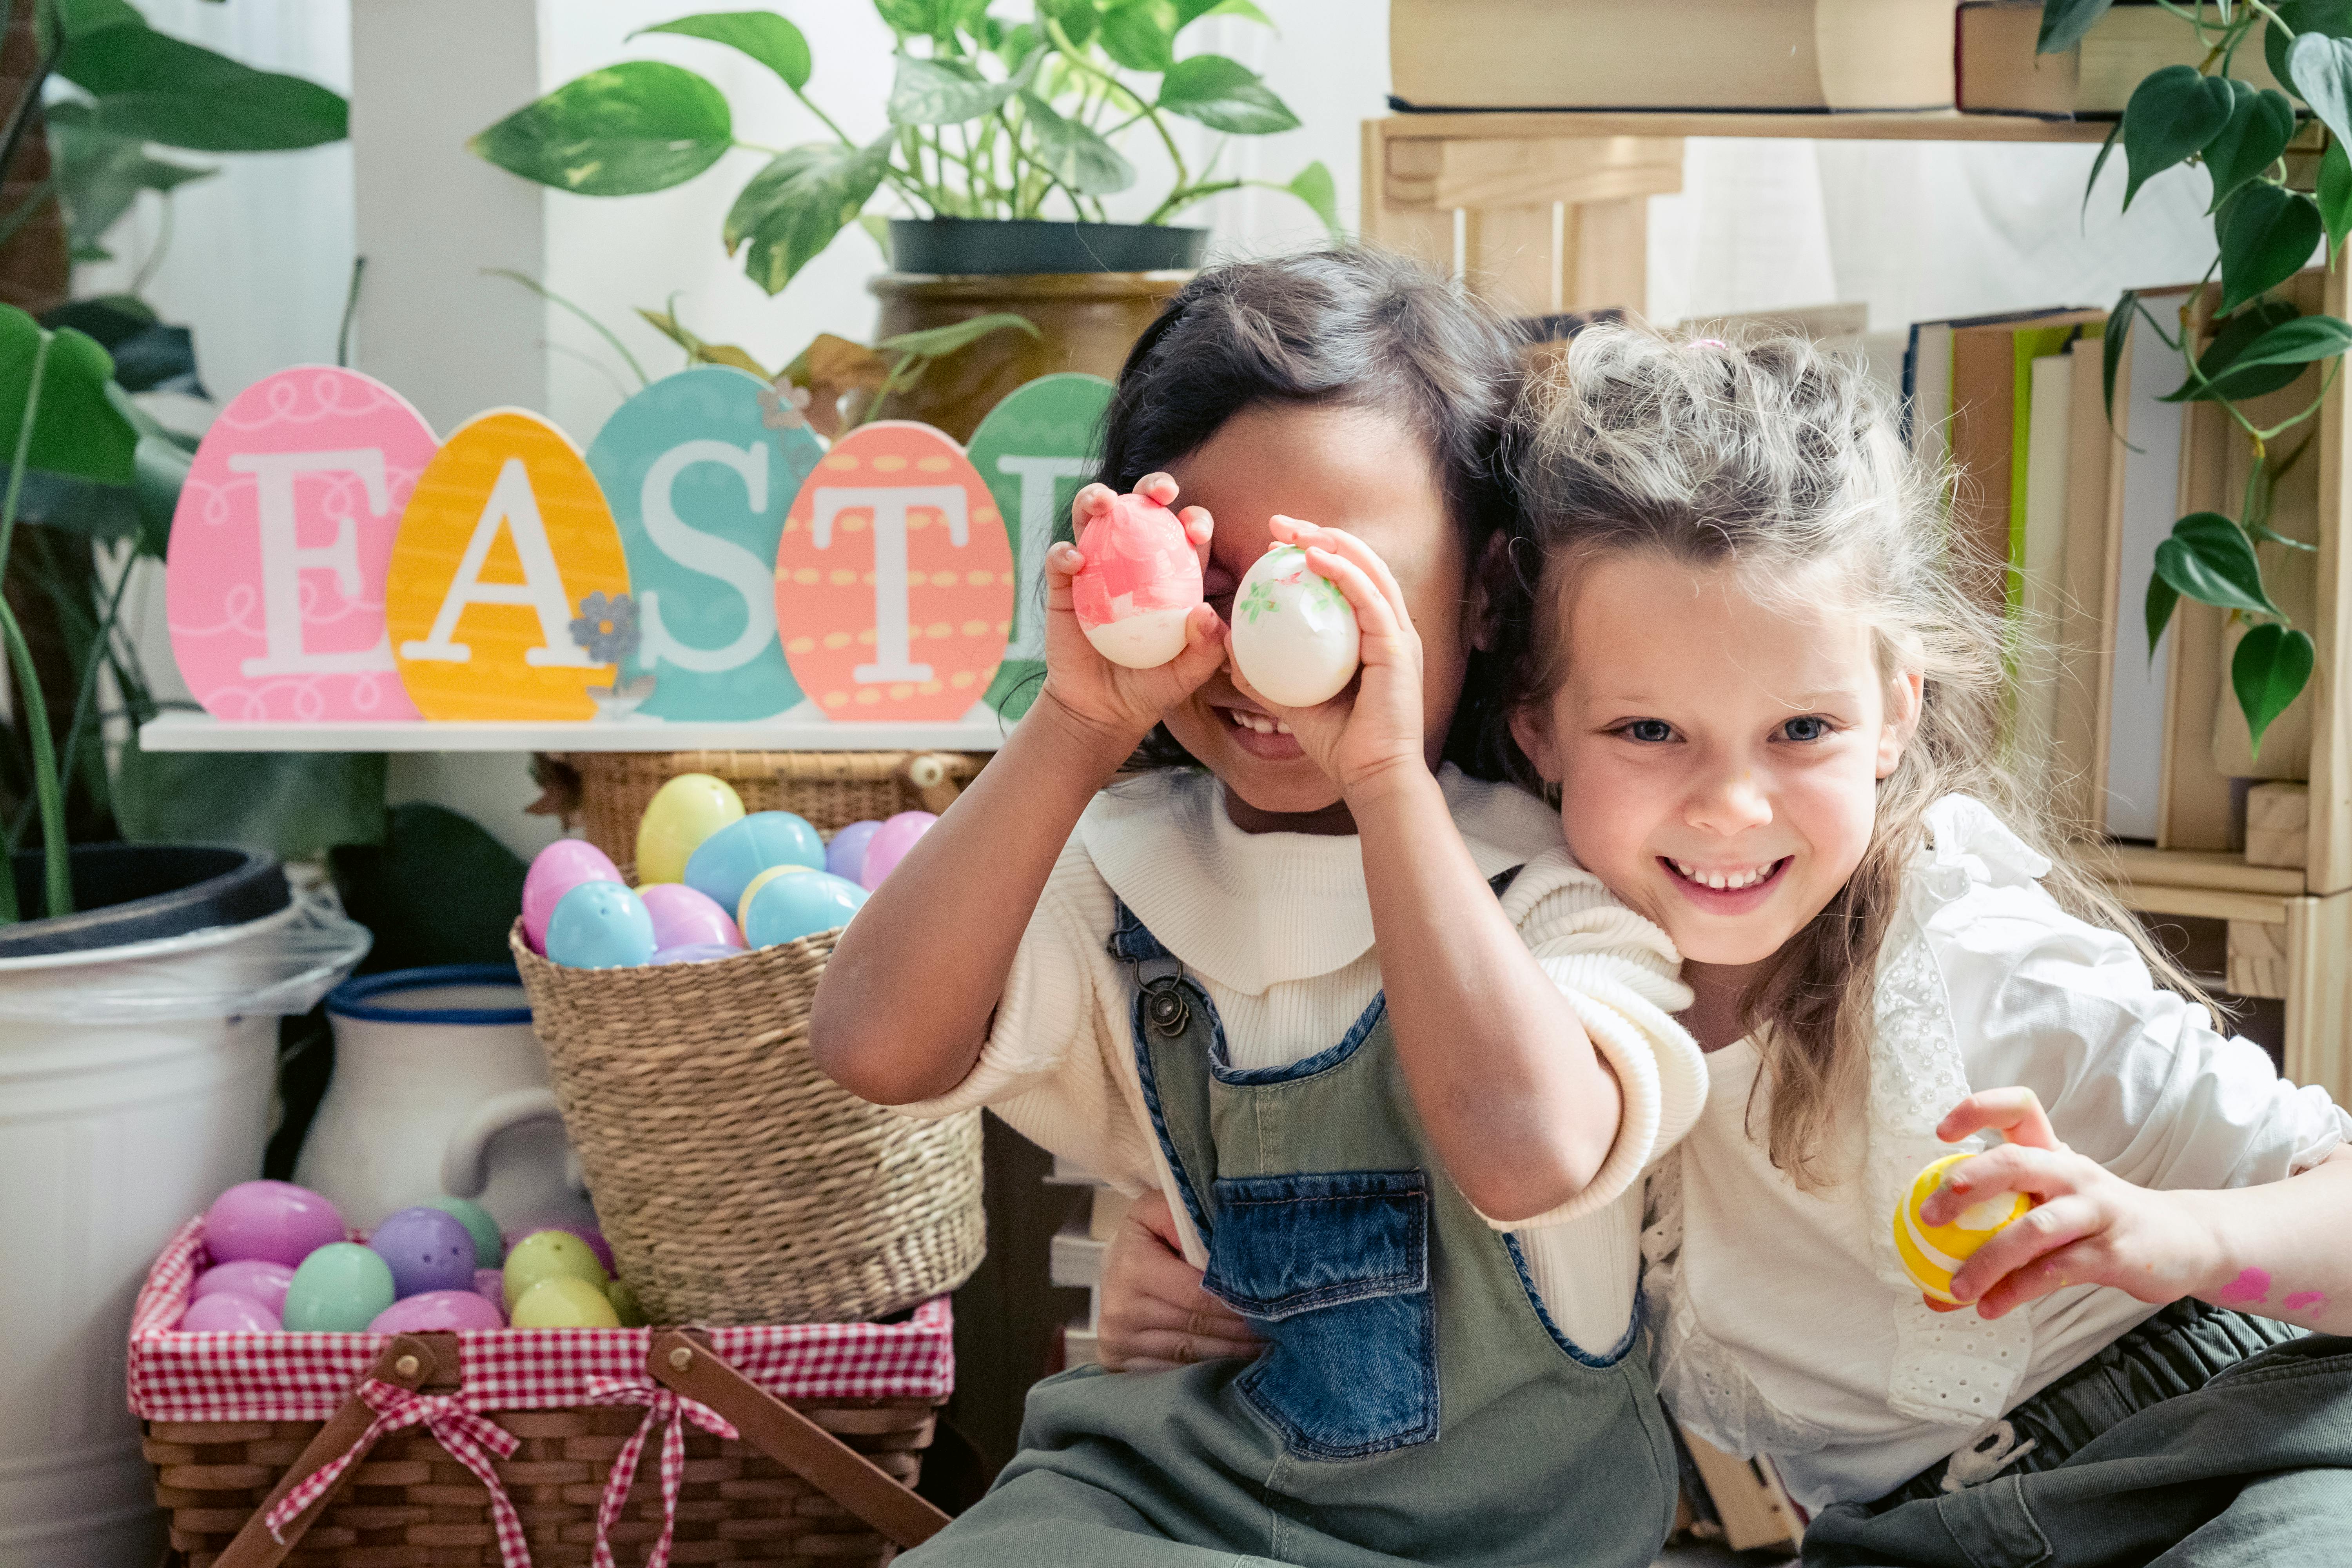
845 855
436 1311
227 1312
889 846
555 871
694 953
683 917
277 1222
428 1249
599 925
248 1276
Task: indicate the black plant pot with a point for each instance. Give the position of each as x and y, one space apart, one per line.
125 894
969 246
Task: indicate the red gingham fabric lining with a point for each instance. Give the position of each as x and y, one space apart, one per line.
180 1376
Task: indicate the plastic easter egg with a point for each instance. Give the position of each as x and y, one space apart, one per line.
790 908
595 1240
250 1277
428 1249
547 1254
559 1301
555 871
684 812
845 853
624 1304
696 952
1140 581
338 1289
723 864
489 1246
743 904
889 846
683 917
1294 635
1932 1254
276 1222
437 1312
490 1285
227 1312
599 925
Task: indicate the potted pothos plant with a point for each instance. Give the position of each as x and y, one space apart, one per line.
989 189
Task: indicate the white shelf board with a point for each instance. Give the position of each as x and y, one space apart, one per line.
183 731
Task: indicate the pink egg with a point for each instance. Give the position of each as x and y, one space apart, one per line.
684 918
490 1285
227 1312
251 1277
889 846
555 871
276 1222
437 1312
1139 585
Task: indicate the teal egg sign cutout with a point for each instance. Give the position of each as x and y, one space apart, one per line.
1035 450
701 469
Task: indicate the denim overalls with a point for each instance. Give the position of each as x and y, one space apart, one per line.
1414 1402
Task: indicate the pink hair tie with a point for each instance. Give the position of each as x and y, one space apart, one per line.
1709 343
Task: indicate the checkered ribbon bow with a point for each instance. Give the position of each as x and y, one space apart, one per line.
470 1439
670 1410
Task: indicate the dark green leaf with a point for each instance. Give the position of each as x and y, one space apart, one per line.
81 16
2161 597
1313 185
159 471
2261 124
767 37
2328 18
793 208
1223 95
2270 670
2258 357
2336 194
75 505
2111 346
915 17
439 890
77 432
2171 115
936 342
1078 18
1073 155
99 175
294 805
2322 75
942 92
2211 559
2230 340
1140 34
2063 23
628 129
156 87
2267 234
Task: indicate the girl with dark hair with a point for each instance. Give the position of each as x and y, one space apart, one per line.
1394 1060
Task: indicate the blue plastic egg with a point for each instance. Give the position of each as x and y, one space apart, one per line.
599 925
790 908
339 1289
723 864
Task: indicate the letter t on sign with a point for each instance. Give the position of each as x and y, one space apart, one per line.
893 656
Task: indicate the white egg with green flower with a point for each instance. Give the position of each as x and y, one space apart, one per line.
1294 633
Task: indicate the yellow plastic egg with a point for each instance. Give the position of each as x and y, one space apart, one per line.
684 812
561 1302
743 905
1932 1254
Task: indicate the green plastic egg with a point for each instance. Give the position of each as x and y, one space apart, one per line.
624 1304
489 1246
339 1289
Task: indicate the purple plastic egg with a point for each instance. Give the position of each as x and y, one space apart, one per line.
227 1312
251 1278
276 1222
889 846
437 1312
683 918
555 871
845 853
428 1249
490 1285
696 952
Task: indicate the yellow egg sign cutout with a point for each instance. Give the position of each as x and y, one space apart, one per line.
508 593
894 579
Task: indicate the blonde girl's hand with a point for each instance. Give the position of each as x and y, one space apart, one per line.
1155 1316
1119 704
1373 728
2091 1227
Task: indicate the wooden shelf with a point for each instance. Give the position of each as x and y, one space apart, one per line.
789 731
1928 125
2220 870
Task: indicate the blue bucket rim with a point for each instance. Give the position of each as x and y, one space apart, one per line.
351 999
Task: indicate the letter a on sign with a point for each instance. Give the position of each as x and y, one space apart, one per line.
508 594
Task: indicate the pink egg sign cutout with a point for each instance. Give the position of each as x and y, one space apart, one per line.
1140 581
274 586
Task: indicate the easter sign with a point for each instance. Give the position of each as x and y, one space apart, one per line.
708 558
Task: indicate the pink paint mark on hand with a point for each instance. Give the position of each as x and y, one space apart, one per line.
2306 1301
2249 1288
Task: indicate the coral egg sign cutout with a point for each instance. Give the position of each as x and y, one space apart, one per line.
508 597
894 579
274 582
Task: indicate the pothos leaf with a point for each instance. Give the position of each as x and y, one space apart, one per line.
2269 672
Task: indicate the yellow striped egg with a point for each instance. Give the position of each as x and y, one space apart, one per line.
1932 1254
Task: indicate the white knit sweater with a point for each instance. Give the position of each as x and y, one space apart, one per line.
1278 928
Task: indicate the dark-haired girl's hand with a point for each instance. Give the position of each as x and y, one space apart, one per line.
1373 728
1118 704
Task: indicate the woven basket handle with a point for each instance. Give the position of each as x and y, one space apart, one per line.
930 773
410 1362
687 1363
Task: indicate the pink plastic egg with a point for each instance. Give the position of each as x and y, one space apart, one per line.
437 1312
683 918
250 1277
889 846
1140 581
555 871
227 1312
276 1222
